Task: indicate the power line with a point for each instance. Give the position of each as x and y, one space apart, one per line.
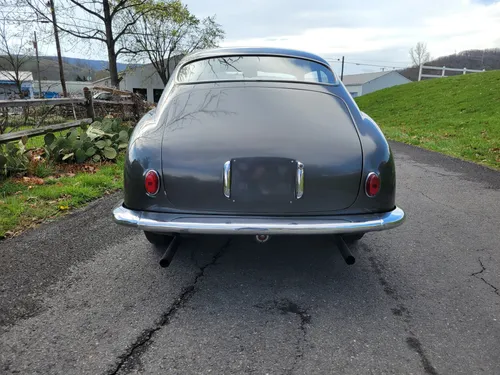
384 61
59 23
364 64
37 14
377 66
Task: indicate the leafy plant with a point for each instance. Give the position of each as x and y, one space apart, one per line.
13 157
100 141
41 169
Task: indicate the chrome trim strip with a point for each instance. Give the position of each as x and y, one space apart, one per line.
216 224
299 180
227 179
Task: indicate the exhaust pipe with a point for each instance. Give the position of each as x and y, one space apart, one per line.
344 251
167 256
261 238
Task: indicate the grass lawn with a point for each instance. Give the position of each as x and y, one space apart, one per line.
458 116
25 203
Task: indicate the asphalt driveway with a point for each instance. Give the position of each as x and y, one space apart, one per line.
84 296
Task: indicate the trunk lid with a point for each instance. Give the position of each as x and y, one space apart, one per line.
264 132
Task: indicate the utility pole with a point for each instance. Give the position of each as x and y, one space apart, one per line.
35 43
58 47
342 71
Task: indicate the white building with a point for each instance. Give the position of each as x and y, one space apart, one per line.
365 83
74 88
8 87
143 80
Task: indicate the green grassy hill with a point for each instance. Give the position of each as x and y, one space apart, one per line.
458 116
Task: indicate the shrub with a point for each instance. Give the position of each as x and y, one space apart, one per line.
40 168
14 157
100 141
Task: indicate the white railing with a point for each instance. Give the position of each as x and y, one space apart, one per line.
443 71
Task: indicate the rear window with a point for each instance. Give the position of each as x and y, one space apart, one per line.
255 68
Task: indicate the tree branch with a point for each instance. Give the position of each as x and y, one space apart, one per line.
125 28
79 35
78 4
120 7
126 50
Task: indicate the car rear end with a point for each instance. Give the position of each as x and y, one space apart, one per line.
258 155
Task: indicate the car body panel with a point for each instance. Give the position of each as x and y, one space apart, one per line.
232 122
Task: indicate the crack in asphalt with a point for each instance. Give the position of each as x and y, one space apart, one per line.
285 306
417 165
401 311
131 358
444 204
483 268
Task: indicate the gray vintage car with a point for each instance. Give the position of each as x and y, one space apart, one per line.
257 141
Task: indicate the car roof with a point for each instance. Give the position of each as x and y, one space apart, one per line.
213 52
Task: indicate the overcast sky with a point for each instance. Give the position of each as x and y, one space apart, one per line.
366 31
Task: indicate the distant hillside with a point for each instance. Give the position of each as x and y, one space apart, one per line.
84 63
488 59
458 116
73 68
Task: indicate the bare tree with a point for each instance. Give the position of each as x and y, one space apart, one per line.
15 53
170 31
102 22
419 54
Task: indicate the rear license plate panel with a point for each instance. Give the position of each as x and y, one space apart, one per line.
263 179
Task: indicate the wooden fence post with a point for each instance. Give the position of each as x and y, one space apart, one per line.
136 106
5 122
89 105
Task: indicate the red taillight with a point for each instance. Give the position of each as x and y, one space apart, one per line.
372 184
152 182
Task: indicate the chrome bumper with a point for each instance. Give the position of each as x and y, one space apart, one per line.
218 224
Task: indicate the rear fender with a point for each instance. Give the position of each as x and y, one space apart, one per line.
143 153
378 158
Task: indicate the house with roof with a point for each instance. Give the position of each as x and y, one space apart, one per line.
142 79
8 85
365 83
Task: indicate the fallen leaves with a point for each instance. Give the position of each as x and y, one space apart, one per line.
9 233
34 200
71 169
33 181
